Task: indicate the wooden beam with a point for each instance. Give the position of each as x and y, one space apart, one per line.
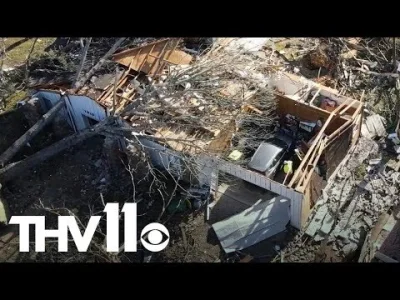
318 149
159 60
164 60
314 163
315 96
110 93
348 122
360 122
306 206
319 136
347 108
107 93
330 141
343 127
83 59
145 59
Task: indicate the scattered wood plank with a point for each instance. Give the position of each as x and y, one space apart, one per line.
305 161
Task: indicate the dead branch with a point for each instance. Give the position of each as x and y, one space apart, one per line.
116 79
83 58
89 74
28 61
94 246
31 133
14 169
394 75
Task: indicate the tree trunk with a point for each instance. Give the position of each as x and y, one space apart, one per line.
31 133
83 59
89 74
12 170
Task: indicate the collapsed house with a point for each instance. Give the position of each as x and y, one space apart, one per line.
160 109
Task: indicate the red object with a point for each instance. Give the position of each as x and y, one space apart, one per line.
328 104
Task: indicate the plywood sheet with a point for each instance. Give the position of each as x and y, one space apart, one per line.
148 58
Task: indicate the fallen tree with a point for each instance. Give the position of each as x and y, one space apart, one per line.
12 170
31 133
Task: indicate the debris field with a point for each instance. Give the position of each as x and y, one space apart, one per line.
245 149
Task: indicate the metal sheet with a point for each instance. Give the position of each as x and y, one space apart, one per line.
255 224
79 108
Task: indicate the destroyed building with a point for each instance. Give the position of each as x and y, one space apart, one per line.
254 147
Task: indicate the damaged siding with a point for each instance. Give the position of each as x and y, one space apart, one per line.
80 112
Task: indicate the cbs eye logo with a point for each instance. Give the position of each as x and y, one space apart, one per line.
152 237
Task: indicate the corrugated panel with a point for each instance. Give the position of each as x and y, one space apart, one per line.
84 106
78 107
48 99
276 188
295 211
258 179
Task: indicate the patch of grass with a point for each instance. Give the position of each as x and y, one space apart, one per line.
360 172
12 100
18 55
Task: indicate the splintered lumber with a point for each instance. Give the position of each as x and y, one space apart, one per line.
12 170
31 133
89 74
316 141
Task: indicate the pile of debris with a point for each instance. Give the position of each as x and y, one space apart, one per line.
365 186
169 108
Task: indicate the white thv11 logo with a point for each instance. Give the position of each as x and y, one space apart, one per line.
154 232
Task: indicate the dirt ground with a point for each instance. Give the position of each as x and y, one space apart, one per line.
193 240
76 178
64 181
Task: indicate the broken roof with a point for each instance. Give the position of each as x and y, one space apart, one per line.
153 57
